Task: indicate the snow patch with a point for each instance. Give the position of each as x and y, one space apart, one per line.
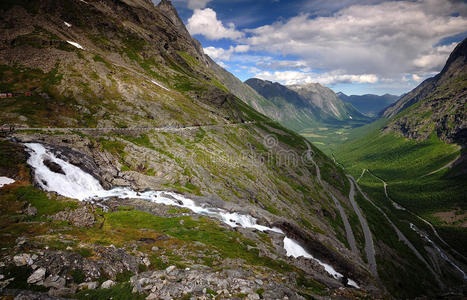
67 24
160 85
75 44
5 181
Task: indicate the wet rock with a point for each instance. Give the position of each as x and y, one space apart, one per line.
107 284
37 276
53 166
80 217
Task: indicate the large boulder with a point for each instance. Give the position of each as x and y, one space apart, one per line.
37 276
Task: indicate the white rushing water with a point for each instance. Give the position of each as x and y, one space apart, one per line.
77 184
440 251
5 181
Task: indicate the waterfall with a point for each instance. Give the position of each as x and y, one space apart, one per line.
5 181
77 184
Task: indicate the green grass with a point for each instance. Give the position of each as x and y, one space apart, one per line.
98 58
39 199
204 230
415 280
402 163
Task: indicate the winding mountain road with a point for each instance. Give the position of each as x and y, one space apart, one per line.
348 229
400 235
157 129
398 206
369 246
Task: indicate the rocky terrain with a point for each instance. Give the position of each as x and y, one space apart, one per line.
167 123
438 104
121 91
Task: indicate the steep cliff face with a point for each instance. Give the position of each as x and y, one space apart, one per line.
166 122
323 98
437 105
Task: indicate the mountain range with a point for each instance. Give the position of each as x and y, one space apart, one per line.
132 166
369 104
121 91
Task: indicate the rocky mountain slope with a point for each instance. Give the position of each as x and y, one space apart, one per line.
123 92
326 100
370 105
438 104
194 193
304 106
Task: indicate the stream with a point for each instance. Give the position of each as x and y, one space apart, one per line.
77 184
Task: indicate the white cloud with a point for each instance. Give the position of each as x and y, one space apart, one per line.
219 54
297 77
242 48
205 22
435 58
386 39
223 65
284 65
415 77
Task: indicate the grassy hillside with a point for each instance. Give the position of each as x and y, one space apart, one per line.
407 167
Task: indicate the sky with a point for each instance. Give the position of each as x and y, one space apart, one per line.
353 46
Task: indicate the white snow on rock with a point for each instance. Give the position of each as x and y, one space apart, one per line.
77 184
5 181
67 24
160 85
75 44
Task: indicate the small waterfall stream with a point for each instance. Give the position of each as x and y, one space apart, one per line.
442 254
77 184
